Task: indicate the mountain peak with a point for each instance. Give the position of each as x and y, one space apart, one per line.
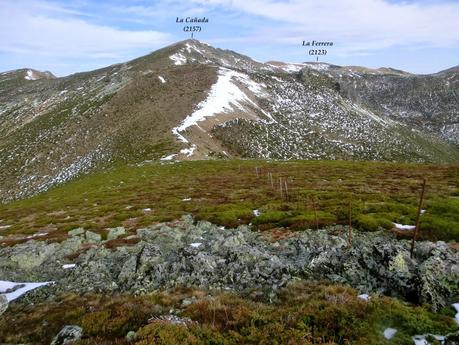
194 51
32 74
28 74
190 42
9 80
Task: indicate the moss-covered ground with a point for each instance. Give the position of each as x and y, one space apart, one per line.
319 193
306 313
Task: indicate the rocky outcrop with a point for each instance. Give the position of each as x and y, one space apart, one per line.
425 102
39 260
68 335
206 256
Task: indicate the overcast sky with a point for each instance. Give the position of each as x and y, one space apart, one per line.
71 36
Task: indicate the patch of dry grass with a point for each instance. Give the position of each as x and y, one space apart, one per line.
306 313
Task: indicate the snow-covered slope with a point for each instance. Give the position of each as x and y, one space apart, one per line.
225 96
298 111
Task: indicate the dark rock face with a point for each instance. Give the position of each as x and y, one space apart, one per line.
425 102
68 335
205 256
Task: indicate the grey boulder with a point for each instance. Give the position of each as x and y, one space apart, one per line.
68 335
114 233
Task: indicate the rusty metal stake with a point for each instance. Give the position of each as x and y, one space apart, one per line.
280 185
349 239
286 190
315 212
418 216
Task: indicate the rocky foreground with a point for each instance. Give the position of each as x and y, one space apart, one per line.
203 255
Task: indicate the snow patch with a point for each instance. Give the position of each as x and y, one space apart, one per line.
318 66
31 75
68 266
389 333
188 152
178 59
456 306
17 289
162 79
277 79
223 97
290 67
180 137
196 245
186 199
189 47
168 158
420 340
404 227
38 234
364 297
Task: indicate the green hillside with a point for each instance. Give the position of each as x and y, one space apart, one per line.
227 193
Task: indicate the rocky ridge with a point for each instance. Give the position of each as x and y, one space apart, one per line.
202 255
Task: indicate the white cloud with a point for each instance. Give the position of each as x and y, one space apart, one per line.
81 34
356 25
164 9
40 28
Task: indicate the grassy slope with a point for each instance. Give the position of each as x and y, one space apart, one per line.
131 125
227 192
306 313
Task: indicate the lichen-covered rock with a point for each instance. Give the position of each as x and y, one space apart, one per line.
36 260
68 335
131 336
205 256
29 257
76 232
438 280
93 237
114 233
72 244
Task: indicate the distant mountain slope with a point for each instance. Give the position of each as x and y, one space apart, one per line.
192 101
425 102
